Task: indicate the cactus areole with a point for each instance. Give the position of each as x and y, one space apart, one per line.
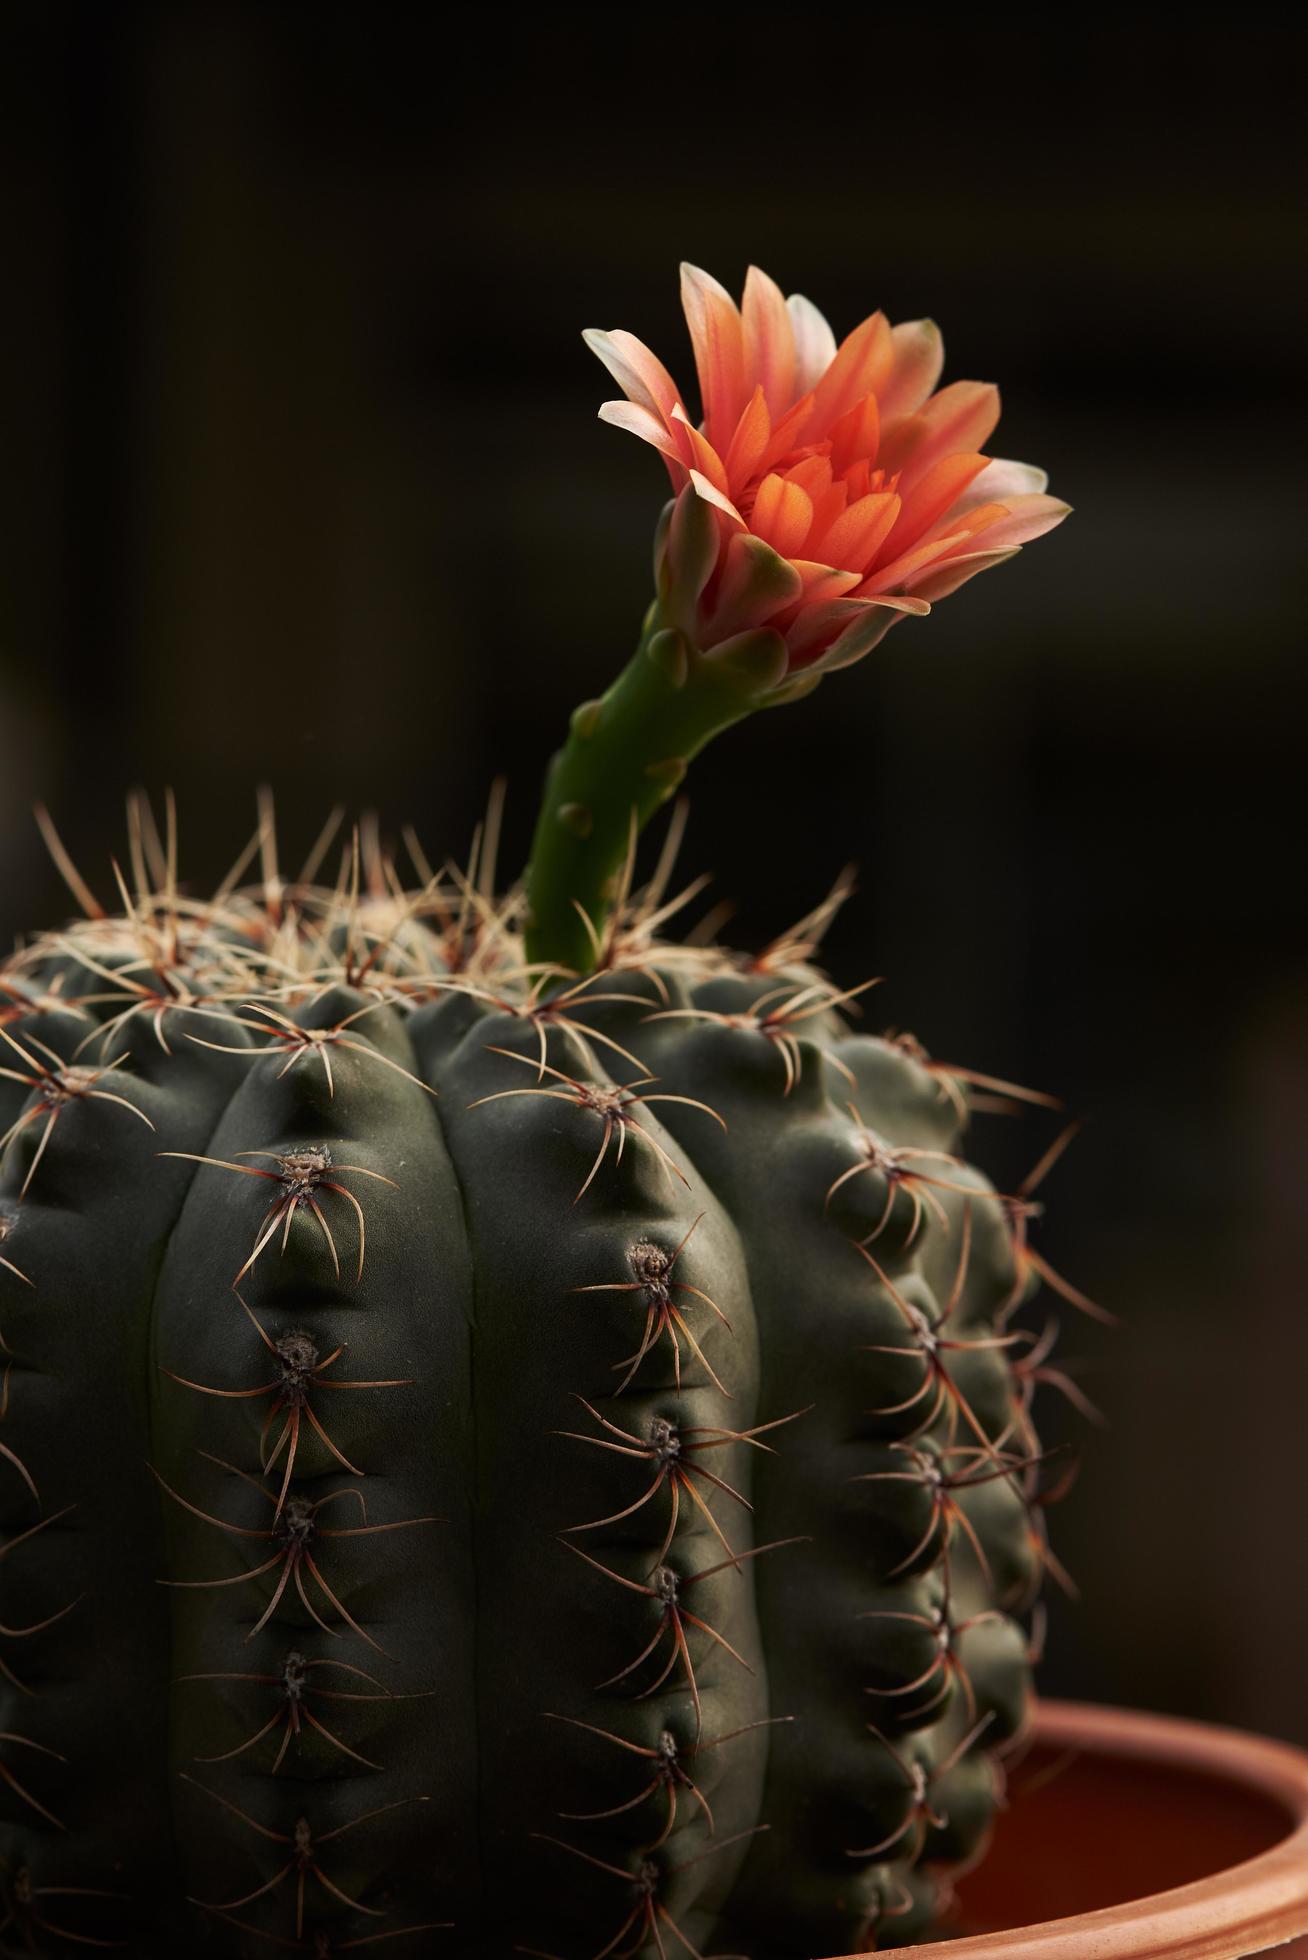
515 1433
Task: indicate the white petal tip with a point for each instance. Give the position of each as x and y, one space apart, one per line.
710 495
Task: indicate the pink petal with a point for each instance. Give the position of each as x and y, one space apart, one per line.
650 428
815 344
1026 518
940 582
1001 480
769 341
919 357
862 634
714 496
718 339
818 627
641 376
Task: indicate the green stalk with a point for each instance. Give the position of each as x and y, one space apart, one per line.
625 755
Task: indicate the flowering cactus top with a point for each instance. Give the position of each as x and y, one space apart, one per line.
846 488
827 491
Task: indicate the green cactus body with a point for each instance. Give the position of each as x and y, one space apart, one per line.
491 1469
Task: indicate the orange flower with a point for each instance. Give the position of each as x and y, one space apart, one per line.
828 490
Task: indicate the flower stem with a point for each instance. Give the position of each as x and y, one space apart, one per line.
625 755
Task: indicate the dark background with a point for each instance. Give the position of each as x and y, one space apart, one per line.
302 483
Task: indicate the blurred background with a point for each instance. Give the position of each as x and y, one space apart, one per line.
303 484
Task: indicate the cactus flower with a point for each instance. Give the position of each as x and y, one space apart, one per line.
827 491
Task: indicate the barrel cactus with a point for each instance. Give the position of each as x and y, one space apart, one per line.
514 1433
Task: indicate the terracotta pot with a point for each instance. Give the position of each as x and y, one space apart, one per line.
1131 1837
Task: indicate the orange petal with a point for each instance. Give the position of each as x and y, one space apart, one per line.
822 583
700 451
861 368
769 341
879 581
787 433
936 492
858 481
749 441
814 474
919 357
853 540
961 416
718 339
855 435
965 413
782 514
829 505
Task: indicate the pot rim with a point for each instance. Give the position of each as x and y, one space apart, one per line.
1245 1909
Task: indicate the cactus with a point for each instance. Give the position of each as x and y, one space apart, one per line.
513 1434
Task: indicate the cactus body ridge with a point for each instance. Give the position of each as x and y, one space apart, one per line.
492 1462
